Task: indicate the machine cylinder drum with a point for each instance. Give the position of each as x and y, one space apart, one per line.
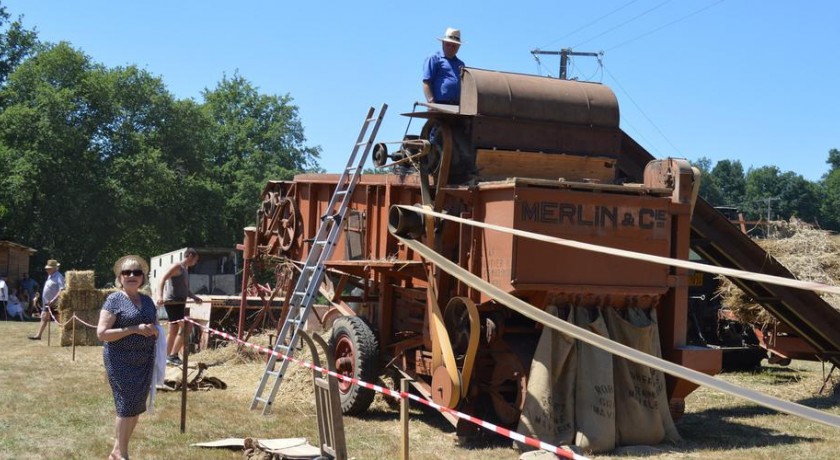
405 223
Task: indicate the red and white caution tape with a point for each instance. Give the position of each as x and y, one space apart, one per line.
404 395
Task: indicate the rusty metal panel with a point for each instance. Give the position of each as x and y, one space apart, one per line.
529 97
373 196
494 257
549 137
632 222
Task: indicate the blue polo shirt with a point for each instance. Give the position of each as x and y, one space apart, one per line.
444 77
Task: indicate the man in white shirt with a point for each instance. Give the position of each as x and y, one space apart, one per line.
4 295
52 287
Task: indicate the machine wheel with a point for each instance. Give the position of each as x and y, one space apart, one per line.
440 136
356 353
287 224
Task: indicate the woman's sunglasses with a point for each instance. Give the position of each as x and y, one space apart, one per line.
131 273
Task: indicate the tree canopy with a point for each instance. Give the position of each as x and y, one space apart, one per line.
100 162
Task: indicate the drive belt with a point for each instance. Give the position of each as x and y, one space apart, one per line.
613 347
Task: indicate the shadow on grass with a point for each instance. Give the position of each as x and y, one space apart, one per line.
417 413
715 429
420 413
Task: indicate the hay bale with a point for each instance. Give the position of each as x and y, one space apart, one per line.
73 300
85 336
810 254
79 279
85 304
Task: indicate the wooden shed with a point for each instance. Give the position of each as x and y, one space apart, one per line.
14 260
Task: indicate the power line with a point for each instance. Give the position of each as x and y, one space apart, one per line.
666 25
625 22
640 110
590 23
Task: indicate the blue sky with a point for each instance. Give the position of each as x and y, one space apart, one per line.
748 80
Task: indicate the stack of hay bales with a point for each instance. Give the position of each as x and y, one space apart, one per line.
82 299
810 254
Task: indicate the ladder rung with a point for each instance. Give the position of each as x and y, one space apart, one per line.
281 347
262 400
274 374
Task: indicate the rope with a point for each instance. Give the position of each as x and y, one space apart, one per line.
401 395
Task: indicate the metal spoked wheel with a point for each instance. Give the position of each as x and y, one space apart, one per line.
286 223
356 354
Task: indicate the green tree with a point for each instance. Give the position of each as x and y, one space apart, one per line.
833 159
103 162
16 43
830 186
709 190
54 177
729 178
256 137
781 195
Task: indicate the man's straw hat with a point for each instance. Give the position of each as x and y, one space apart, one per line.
452 36
52 263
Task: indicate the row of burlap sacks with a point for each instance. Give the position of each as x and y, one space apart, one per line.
581 395
82 299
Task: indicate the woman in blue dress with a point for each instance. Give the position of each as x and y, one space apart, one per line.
127 327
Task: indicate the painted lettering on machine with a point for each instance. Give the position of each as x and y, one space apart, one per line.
591 215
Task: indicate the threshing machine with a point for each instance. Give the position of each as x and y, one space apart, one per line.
522 152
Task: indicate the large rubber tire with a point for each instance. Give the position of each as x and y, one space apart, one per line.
356 353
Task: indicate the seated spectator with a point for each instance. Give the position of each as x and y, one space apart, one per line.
27 285
25 300
14 308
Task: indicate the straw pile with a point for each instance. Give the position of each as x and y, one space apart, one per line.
80 298
79 280
810 254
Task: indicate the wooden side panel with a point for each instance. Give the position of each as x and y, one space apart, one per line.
507 163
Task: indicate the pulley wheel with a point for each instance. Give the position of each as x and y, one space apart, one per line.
442 387
380 154
456 318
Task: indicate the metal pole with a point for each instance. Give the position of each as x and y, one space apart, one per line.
49 327
564 58
404 417
564 62
185 328
247 256
74 337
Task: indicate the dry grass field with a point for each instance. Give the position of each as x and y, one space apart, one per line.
52 407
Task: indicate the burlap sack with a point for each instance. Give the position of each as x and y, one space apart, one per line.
637 392
638 317
548 412
594 391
